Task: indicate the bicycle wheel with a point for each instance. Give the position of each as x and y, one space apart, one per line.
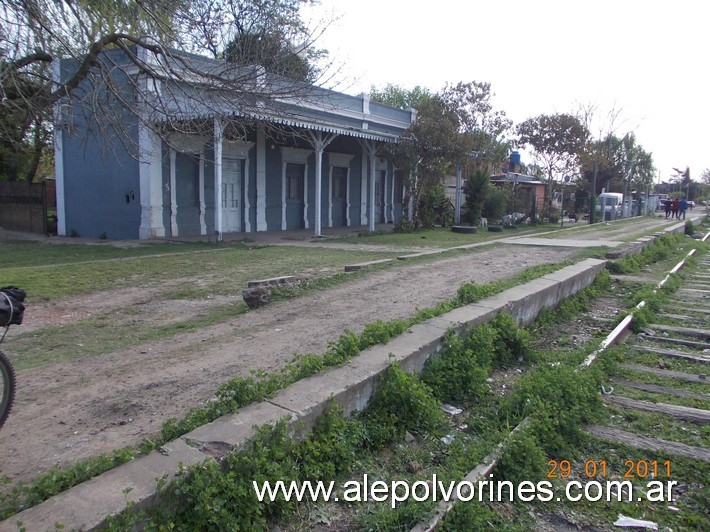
8 387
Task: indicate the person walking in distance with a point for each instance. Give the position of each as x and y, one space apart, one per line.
682 207
674 208
667 205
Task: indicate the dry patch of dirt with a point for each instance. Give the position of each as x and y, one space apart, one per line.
69 411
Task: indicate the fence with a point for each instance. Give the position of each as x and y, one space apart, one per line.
28 206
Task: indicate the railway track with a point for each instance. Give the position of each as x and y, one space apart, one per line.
666 370
647 421
652 443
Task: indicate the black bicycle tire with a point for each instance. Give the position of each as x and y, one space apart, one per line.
8 387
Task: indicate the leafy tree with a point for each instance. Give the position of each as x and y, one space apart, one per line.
271 34
427 150
37 32
450 126
435 207
557 141
271 52
701 190
397 96
494 204
621 164
475 190
485 128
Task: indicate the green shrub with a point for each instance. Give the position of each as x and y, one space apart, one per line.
663 248
211 497
512 342
561 398
522 459
404 403
477 516
404 517
689 228
459 370
403 226
471 292
56 480
344 348
381 332
331 448
435 208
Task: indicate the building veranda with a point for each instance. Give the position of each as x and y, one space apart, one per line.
186 158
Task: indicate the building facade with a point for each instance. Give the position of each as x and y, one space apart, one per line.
305 162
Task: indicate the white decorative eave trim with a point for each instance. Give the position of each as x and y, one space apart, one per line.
185 143
295 155
328 128
237 149
340 159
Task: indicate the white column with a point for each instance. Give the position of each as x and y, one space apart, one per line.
260 179
59 181
319 144
392 195
283 195
305 197
247 204
363 186
59 156
173 195
373 171
319 183
150 171
370 149
203 206
387 205
347 198
218 138
330 196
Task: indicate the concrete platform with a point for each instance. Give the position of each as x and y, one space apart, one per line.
87 505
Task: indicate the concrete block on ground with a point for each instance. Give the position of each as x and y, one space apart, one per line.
361 265
574 278
88 505
633 247
413 348
524 303
353 384
274 281
230 432
462 319
421 254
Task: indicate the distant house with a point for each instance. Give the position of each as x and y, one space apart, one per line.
301 162
526 189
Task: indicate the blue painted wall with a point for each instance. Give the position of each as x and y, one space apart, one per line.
101 181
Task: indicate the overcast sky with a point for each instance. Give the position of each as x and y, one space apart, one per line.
649 63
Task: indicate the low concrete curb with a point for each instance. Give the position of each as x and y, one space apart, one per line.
88 505
361 265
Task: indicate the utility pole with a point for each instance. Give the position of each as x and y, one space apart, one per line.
593 196
457 213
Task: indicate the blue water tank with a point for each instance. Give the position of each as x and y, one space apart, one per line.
515 158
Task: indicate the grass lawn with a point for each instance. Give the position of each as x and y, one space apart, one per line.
439 237
49 272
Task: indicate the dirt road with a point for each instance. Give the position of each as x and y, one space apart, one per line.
69 411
